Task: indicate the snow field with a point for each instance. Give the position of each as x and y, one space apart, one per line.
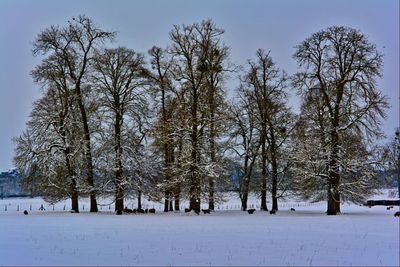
360 236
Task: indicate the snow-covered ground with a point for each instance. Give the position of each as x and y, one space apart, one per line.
359 236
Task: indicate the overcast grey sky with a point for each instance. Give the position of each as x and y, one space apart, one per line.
273 25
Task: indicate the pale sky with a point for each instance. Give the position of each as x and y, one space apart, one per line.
272 25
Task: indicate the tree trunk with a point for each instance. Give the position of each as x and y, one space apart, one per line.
244 200
177 201
264 176
74 197
73 189
139 200
211 194
88 152
334 176
119 196
166 201
212 144
195 189
274 169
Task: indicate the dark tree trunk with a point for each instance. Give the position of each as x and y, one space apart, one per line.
119 196
195 189
264 176
211 194
274 185
88 152
73 189
74 196
334 176
166 201
274 168
177 197
139 200
212 143
244 198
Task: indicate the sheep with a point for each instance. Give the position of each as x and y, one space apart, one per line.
251 211
206 211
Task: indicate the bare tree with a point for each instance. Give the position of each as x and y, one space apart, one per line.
245 143
47 153
74 45
215 65
161 79
190 49
266 88
343 66
119 80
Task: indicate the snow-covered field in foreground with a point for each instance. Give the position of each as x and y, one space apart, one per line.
359 236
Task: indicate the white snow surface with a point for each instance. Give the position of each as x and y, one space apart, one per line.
359 236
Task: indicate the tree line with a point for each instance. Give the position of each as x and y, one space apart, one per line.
115 122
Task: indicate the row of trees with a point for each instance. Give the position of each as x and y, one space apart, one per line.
114 122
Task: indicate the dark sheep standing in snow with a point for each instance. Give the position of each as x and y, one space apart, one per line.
25 212
126 210
206 211
251 211
397 214
292 209
152 210
140 211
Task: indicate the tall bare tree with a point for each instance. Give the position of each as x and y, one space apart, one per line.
215 65
191 48
47 153
245 143
343 66
119 80
266 86
161 79
74 44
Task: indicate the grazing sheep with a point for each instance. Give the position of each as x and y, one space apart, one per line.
152 210
126 210
292 209
140 211
251 211
25 212
188 210
206 211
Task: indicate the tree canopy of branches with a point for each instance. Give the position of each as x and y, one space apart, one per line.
338 68
73 46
